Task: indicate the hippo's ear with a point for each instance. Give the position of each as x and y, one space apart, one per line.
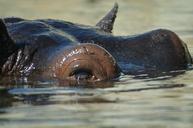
107 22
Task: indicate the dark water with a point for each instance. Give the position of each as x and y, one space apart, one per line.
159 102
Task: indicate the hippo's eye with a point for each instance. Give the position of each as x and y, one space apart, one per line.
82 74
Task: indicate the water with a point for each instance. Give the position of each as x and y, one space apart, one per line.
133 102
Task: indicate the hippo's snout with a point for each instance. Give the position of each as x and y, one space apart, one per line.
86 62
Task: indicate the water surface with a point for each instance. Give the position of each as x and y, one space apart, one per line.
159 102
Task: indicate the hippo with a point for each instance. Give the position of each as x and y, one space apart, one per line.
49 48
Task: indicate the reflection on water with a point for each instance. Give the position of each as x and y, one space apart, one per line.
133 101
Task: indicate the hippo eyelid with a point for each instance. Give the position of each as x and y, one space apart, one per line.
76 71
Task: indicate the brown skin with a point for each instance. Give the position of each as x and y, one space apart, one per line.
89 62
89 57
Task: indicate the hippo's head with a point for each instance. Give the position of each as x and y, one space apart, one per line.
44 57
39 55
31 50
73 65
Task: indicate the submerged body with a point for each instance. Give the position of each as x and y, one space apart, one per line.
86 52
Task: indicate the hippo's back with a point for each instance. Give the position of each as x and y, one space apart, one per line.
37 32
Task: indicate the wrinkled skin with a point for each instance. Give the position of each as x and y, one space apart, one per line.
68 51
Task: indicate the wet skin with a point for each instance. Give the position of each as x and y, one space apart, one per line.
64 50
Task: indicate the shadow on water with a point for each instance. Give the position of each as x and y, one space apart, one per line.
30 91
157 75
28 97
6 99
42 94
